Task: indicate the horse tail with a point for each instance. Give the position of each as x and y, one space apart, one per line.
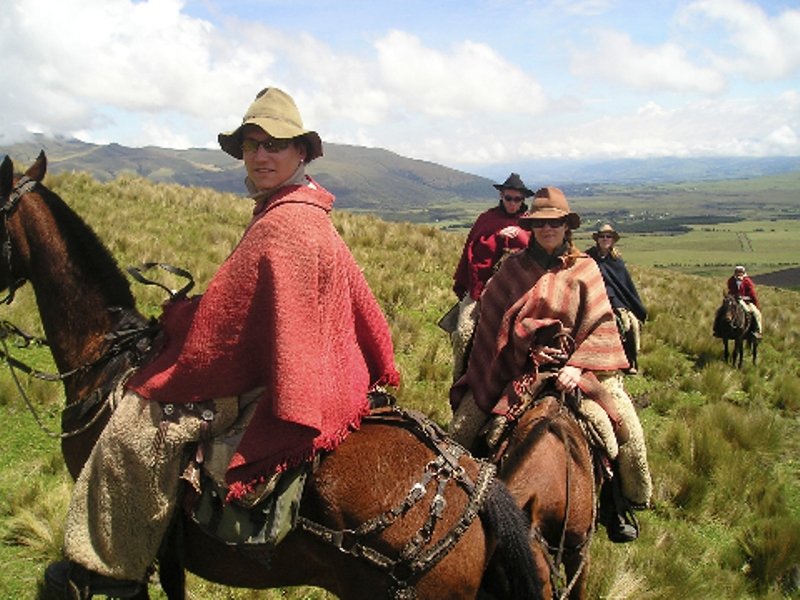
512 532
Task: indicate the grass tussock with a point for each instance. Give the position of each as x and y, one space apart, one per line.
722 443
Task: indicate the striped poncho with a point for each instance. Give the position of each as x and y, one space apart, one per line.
523 298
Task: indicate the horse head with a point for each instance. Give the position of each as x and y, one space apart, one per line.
12 189
735 315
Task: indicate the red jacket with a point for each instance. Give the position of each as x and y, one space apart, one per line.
484 248
747 289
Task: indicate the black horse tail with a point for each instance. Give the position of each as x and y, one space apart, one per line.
513 570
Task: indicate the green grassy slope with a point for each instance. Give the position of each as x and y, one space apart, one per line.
723 444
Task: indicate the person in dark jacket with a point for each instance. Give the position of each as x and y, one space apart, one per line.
495 233
628 307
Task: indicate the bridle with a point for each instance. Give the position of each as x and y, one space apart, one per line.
130 338
23 186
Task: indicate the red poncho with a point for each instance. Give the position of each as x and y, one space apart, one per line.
290 310
483 249
523 297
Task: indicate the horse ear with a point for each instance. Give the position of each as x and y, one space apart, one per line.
38 168
6 176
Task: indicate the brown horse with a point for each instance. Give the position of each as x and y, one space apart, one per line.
545 459
376 524
732 322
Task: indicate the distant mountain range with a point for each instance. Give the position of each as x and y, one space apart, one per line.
379 181
640 171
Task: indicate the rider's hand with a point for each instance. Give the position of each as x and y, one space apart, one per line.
568 377
510 232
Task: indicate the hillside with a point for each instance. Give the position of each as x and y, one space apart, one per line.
723 444
366 179
397 188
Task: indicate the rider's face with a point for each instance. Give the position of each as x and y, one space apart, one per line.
269 169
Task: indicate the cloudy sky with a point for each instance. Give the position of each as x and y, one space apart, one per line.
465 83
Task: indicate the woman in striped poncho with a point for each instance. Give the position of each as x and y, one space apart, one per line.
550 283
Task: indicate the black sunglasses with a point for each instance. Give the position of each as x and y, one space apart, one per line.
539 223
272 145
513 198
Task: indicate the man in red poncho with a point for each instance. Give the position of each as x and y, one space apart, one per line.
288 319
495 233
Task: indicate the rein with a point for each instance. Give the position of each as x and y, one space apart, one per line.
554 555
122 341
130 338
414 559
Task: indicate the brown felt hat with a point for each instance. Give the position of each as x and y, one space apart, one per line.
513 182
275 112
550 203
606 228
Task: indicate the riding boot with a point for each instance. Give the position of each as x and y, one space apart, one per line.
78 583
615 514
629 346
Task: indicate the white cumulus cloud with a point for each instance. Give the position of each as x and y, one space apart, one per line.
615 57
758 46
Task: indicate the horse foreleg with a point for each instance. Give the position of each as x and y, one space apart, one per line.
543 573
738 352
171 573
576 569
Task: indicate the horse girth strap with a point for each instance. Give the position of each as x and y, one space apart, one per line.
417 556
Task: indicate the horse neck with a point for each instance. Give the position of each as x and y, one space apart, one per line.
74 278
533 426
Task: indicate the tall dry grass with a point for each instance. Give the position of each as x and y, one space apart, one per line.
723 443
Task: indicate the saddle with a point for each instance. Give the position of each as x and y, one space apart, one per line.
260 520
595 418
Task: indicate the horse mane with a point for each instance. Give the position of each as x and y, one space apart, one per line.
87 250
553 420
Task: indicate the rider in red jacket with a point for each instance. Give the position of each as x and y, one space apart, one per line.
495 233
742 287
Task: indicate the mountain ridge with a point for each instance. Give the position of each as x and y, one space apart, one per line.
379 181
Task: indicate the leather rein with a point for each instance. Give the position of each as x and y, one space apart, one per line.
553 555
131 340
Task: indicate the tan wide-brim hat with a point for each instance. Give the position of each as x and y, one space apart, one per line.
275 112
606 228
550 203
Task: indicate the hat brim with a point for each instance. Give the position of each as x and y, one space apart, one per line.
573 219
231 142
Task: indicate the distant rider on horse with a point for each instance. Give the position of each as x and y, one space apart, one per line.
744 290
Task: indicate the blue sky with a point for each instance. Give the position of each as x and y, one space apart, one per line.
467 83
